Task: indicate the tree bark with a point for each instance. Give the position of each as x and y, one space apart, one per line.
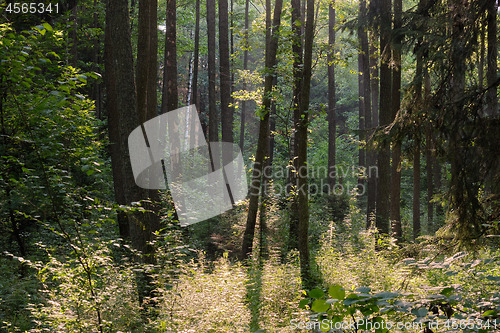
385 115
123 119
364 87
395 213
225 76
302 192
170 95
213 123
263 142
371 154
430 159
332 121
245 67
416 190
491 74
196 60
297 81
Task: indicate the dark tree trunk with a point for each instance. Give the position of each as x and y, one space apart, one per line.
170 95
416 149
263 142
196 59
371 154
491 74
430 159
480 63
213 123
225 76
364 87
302 192
416 190
266 188
297 81
123 119
245 67
395 213
332 121
73 32
385 115
361 111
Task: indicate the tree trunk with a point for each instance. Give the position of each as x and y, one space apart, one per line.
123 119
297 81
396 104
430 159
266 188
170 95
263 142
364 87
332 122
416 150
225 76
302 192
385 114
416 190
213 123
491 74
480 63
361 108
371 154
245 67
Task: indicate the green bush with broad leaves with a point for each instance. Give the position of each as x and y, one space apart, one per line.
472 304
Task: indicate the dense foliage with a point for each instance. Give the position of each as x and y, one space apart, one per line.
67 266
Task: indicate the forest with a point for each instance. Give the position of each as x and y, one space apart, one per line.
249 166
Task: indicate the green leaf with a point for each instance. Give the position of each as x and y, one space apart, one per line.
493 278
316 293
447 291
320 305
386 295
337 292
363 290
422 312
303 303
47 26
490 313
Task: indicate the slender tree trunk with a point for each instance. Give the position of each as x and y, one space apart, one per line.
196 61
364 87
297 81
213 123
372 155
361 108
332 121
416 190
416 150
245 67
225 76
263 142
491 74
96 59
384 157
302 192
396 152
437 189
73 32
146 70
429 158
480 63
170 94
266 188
